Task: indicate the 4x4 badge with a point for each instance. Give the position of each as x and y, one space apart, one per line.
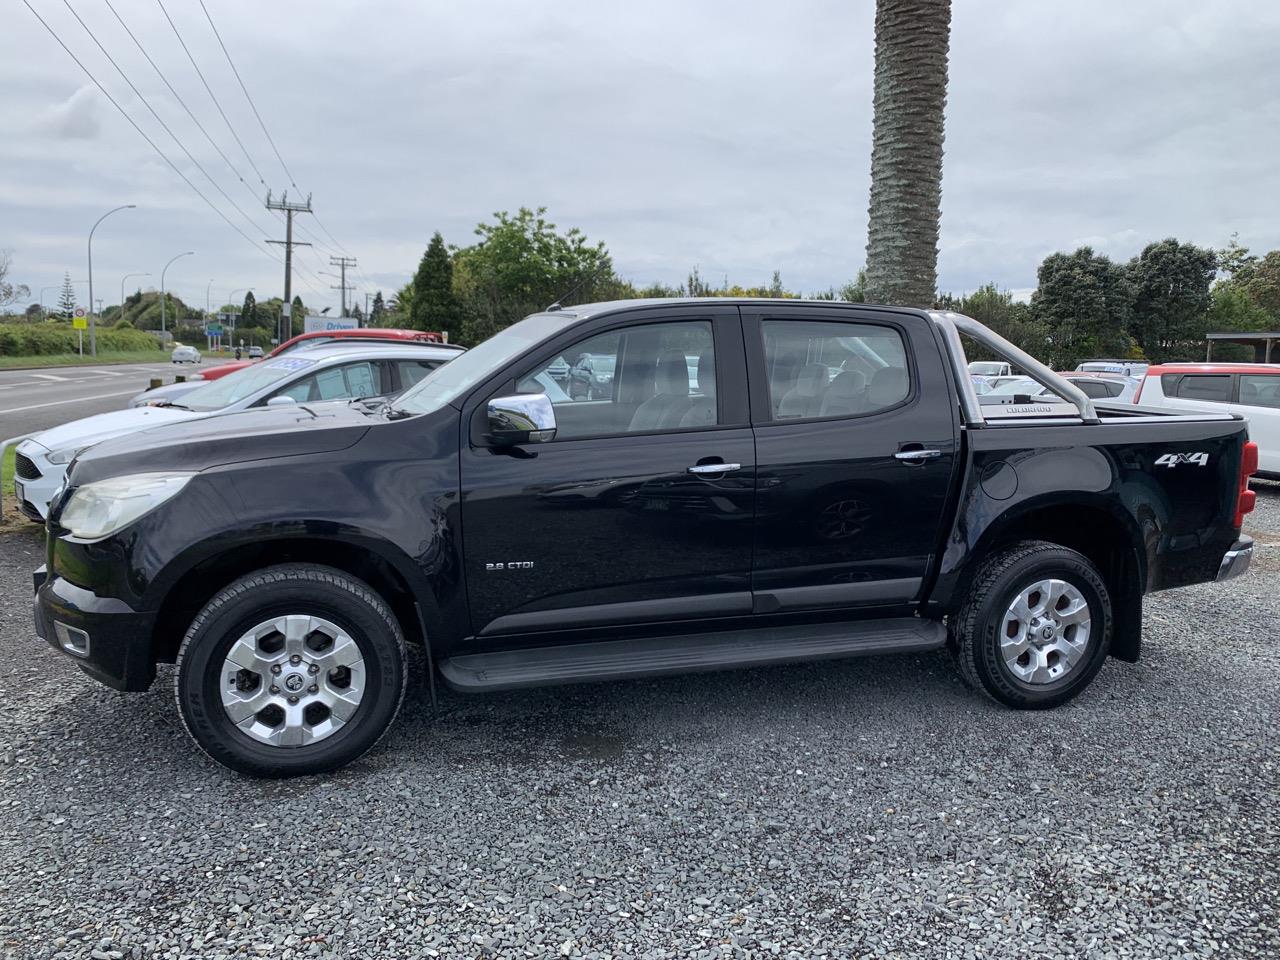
1173 459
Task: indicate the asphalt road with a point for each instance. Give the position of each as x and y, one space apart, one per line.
32 400
871 808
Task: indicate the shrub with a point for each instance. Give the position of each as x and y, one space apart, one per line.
46 339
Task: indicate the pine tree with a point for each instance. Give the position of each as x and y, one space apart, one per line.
379 308
67 299
356 314
297 317
249 312
434 305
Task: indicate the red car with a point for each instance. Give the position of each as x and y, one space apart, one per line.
322 336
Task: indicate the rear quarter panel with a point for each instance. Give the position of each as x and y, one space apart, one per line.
1178 514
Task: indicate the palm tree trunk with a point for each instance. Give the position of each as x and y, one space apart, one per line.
912 39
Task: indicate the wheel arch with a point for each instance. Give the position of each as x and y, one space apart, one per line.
1112 541
193 579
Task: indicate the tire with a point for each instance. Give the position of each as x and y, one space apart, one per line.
329 621
986 633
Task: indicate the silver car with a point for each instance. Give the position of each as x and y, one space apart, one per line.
311 376
185 354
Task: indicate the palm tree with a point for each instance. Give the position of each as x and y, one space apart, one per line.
912 38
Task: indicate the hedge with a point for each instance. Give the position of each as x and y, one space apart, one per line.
44 339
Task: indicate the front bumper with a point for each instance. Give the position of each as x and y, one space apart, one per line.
108 639
1236 560
36 492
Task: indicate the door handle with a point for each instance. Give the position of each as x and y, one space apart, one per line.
917 456
702 469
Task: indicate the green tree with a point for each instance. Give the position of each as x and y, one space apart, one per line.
1171 283
912 41
67 298
1231 308
521 265
297 316
357 314
249 311
434 305
996 309
1261 282
377 311
1085 301
1234 259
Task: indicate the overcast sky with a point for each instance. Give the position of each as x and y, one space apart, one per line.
732 135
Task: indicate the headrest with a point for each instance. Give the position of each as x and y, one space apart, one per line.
812 380
888 386
707 373
673 374
850 383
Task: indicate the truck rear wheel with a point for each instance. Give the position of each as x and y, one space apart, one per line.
1035 627
295 669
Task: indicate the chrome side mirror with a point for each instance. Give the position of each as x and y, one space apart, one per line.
281 401
524 418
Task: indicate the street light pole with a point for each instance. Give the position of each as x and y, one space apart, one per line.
93 327
162 273
122 282
43 312
231 301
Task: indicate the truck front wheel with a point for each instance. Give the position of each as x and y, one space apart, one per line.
1035 626
295 669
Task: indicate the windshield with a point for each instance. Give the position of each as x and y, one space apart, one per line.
1023 385
456 377
234 387
987 368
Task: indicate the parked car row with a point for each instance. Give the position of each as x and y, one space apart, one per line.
316 370
1251 390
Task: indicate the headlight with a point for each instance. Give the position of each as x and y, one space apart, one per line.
65 456
99 509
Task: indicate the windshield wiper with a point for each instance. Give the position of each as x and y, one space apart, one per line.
171 403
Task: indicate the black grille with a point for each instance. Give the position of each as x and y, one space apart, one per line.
24 468
29 508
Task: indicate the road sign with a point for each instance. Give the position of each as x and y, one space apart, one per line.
79 311
214 329
80 323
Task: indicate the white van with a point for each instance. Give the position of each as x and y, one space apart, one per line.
1249 389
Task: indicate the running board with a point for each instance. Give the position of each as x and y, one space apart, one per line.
690 653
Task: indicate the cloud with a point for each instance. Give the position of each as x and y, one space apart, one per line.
729 134
76 118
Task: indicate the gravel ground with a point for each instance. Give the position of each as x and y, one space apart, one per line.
871 808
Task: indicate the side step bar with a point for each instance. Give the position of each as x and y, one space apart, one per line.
691 653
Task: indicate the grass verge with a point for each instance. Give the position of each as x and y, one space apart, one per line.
75 360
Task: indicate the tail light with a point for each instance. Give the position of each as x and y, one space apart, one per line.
1246 499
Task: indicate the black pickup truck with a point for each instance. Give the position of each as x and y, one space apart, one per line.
748 482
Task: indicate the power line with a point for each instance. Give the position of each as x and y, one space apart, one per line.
213 143
146 103
209 89
245 89
142 133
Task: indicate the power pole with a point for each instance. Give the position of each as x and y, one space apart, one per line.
289 208
343 263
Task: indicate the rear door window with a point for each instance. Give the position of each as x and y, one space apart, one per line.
1210 387
833 369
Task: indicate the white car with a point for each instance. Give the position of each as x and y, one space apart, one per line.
185 354
1249 389
321 374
